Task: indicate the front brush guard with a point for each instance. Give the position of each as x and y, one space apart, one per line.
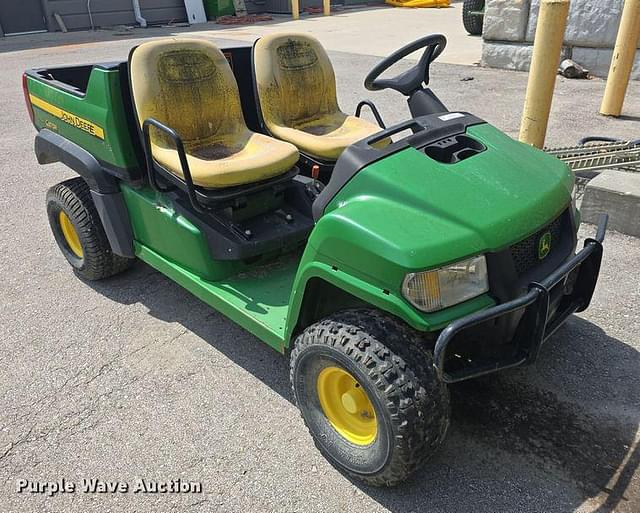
543 309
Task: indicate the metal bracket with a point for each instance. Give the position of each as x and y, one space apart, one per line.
182 156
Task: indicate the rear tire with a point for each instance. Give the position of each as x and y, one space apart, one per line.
472 23
376 357
77 228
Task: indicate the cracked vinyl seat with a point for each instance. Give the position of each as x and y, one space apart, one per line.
187 85
296 92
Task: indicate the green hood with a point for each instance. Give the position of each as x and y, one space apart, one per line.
410 212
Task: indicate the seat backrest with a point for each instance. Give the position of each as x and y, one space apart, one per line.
295 82
187 85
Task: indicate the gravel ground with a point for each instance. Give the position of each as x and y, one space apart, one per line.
134 377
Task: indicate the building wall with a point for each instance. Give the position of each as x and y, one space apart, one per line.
284 6
592 27
106 13
112 12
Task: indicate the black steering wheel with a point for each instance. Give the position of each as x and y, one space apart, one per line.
412 79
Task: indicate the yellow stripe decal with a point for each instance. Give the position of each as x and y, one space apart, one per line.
67 117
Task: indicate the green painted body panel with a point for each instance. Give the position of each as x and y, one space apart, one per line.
157 226
356 283
410 212
255 297
102 105
257 300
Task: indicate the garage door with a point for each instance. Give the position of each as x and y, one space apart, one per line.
23 16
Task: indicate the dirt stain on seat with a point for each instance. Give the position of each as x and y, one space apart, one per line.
196 98
296 55
317 129
186 66
213 152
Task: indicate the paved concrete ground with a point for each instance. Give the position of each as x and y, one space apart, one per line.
376 30
379 31
134 377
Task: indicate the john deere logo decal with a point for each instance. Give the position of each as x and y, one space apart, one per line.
544 245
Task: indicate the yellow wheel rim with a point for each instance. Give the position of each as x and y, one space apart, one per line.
70 234
347 406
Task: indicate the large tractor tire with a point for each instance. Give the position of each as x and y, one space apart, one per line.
369 395
77 228
473 22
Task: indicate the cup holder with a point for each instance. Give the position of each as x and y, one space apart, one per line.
454 149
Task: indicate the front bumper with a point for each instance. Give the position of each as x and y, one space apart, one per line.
541 311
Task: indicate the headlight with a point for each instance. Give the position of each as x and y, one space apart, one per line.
437 289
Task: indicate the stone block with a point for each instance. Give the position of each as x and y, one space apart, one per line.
505 20
591 23
598 60
510 55
616 193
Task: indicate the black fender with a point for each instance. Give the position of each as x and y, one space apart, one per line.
105 191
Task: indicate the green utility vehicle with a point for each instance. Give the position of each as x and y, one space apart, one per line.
387 262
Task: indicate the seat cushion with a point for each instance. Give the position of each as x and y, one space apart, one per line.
187 85
296 89
226 163
328 136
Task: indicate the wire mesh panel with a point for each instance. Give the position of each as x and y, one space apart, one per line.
624 155
593 155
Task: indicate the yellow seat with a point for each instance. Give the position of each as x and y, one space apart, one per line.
187 85
296 89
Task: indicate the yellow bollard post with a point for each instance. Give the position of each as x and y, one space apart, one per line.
547 45
295 9
326 7
622 61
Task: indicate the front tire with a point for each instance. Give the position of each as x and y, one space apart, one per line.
369 395
77 228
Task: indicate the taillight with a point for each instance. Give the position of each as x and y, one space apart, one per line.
27 100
